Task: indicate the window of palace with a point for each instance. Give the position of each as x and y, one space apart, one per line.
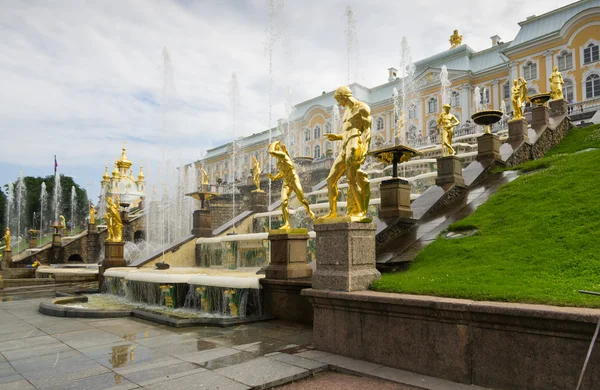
432 105
591 53
327 128
455 99
328 145
307 151
565 61
379 124
592 86
484 93
506 91
307 135
568 91
530 71
317 151
432 128
412 111
317 132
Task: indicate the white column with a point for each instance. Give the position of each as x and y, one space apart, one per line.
465 101
514 72
495 96
548 55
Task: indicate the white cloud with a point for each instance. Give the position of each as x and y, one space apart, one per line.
80 76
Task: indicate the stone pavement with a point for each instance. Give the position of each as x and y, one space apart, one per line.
38 351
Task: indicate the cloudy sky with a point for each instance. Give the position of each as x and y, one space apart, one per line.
78 77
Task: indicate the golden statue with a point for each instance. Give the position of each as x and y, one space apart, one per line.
291 181
356 139
455 40
400 126
445 124
556 84
519 95
113 221
256 174
62 221
7 240
92 214
204 176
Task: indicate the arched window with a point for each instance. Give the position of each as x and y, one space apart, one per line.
432 128
317 132
568 91
328 128
592 86
328 145
485 95
506 91
565 61
307 151
412 111
432 105
307 135
317 151
530 71
591 53
412 133
455 99
379 124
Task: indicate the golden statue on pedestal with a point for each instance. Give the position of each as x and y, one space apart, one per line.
62 221
256 174
7 240
556 84
92 214
400 126
519 95
356 139
445 124
291 181
113 221
455 39
203 177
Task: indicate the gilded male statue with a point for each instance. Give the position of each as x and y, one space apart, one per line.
519 95
92 214
7 240
256 174
291 181
204 176
445 123
356 138
556 84
113 221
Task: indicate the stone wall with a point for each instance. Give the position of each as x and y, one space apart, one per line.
488 344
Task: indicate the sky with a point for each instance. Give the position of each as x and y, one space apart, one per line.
80 77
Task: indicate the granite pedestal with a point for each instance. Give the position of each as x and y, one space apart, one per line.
449 171
202 223
345 256
288 255
114 255
539 117
92 228
7 259
33 242
56 240
517 131
558 107
395 199
259 201
488 148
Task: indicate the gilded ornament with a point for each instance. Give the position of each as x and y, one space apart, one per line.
455 39
256 174
92 214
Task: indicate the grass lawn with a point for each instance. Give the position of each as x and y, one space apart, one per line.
538 238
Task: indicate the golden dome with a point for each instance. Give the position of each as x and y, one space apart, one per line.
106 176
141 176
115 172
124 162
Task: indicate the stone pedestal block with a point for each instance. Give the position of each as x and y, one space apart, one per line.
288 256
259 201
33 242
488 148
517 131
449 171
92 228
395 199
202 223
114 255
345 256
7 259
56 240
558 107
539 117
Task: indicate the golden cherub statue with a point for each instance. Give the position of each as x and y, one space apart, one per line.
92 214
113 222
556 84
519 95
455 39
291 181
445 124
256 174
356 139
204 178
7 240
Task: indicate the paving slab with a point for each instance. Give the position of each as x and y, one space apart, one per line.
20 384
161 374
314 354
98 382
299 361
26 342
265 346
407 377
263 373
46 349
203 380
23 333
52 377
338 381
353 365
211 354
87 338
230 360
119 355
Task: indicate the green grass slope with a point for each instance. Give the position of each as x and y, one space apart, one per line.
538 238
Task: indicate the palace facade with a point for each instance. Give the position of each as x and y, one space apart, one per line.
568 37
